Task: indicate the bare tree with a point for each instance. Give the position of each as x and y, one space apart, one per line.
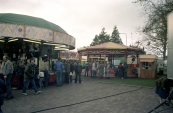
155 30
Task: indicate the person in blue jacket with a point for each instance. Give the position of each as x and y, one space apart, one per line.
59 67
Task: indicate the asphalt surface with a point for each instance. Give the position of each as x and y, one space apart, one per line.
87 97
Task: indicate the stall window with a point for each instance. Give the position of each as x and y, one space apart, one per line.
146 65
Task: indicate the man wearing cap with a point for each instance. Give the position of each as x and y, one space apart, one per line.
78 70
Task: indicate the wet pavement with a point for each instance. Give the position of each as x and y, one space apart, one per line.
87 97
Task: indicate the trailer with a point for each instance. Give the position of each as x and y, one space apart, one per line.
160 65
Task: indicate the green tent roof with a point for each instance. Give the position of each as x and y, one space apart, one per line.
28 20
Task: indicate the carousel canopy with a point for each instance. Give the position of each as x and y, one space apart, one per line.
28 20
109 48
107 45
35 30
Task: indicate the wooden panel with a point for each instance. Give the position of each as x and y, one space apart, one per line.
147 73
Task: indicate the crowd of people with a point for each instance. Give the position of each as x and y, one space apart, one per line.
31 76
99 69
8 69
64 71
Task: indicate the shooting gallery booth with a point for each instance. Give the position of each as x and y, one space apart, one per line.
148 66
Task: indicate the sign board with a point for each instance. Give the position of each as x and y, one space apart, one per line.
170 46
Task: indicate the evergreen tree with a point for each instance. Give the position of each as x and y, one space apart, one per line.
101 38
115 36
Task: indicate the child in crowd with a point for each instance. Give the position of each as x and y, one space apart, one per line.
41 78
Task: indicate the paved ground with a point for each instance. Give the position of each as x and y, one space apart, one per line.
87 97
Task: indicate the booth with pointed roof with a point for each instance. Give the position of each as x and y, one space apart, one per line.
110 51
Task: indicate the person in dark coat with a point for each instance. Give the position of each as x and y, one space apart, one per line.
78 70
36 68
71 67
115 71
162 88
125 67
30 74
20 75
53 66
2 92
1 70
67 70
120 71
71 70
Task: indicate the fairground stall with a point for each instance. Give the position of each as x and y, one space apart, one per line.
69 55
113 53
148 66
23 37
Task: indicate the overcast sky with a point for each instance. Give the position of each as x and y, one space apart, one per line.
83 19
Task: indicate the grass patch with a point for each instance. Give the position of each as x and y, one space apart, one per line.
127 81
